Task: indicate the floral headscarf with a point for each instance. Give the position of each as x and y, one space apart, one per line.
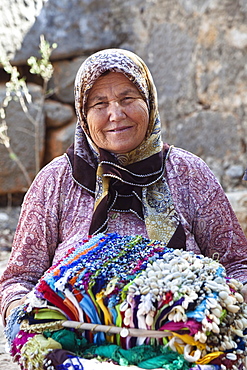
126 62
130 182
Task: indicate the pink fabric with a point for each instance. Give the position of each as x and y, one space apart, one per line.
57 213
191 325
18 343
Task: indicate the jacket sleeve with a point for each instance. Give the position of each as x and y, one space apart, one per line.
206 214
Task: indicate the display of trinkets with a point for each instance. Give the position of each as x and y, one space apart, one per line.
126 290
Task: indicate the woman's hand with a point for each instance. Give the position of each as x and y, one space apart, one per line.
14 304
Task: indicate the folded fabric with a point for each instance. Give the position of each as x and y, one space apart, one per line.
135 283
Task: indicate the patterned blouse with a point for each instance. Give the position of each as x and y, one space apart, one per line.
57 213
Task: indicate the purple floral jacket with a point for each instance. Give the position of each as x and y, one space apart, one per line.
57 212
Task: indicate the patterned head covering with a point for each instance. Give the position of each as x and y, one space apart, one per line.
122 182
133 67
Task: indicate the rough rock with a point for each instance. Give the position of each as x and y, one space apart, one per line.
58 114
75 26
8 221
17 17
6 361
59 140
235 171
22 131
222 130
173 76
238 201
62 81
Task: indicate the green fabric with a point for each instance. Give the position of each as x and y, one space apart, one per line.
145 356
170 361
68 340
46 313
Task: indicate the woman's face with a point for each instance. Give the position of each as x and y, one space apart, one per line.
117 115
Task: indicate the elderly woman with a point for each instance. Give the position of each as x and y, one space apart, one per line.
119 176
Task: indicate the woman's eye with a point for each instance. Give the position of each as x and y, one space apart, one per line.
127 99
100 104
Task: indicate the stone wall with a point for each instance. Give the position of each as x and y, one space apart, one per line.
196 51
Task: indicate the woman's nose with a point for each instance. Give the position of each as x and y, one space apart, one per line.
116 111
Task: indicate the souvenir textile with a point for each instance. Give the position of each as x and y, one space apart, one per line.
133 301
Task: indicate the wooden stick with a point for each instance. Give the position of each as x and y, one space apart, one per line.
124 332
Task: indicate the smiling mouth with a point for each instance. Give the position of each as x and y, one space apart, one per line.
120 129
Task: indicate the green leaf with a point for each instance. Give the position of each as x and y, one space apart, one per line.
13 156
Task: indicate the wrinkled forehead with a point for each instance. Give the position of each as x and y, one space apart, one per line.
108 60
